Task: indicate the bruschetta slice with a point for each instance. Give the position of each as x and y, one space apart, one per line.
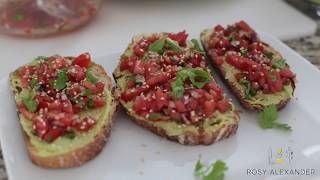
164 83
65 106
255 72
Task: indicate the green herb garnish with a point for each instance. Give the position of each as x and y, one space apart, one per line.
196 45
268 117
33 83
198 78
87 92
139 81
62 78
90 103
279 63
249 90
154 116
18 17
29 101
157 46
173 45
214 171
243 52
90 77
70 135
39 58
268 54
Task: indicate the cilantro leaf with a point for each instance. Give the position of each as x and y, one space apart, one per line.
87 92
213 172
280 63
198 167
70 135
243 52
173 45
249 90
196 45
40 58
157 46
268 54
19 17
198 78
29 101
90 103
154 116
62 78
33 83
90 77
268 117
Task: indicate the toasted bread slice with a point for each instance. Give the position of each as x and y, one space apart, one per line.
67 150
267 93
207 130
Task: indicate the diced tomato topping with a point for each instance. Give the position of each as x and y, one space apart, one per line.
98 102
99 87
180 37
209 107
160 101
138 50
180 106
128 64
53 134
287 73
244 26
223 105
139 67
218 28
157 79
218 60
140 104
131 83
40 126
85 124
130 94
76 73
83 60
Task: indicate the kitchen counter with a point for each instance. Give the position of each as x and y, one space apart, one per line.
308 47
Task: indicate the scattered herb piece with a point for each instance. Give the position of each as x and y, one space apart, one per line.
157 46
33 83
268 54
70 135
268 117
154 116
40 58
198 78
18 17
62 78
90 103
90 77
243 52
279 63
29 101
249 90
87 92
196 45
173 45
214 171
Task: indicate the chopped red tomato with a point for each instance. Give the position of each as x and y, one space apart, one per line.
223 105
218 28
244 26
83 60
180 37
76 73
85 124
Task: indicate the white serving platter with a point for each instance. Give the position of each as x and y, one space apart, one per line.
136 154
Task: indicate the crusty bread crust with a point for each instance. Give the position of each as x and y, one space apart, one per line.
189 138
232 85
83 154
201 136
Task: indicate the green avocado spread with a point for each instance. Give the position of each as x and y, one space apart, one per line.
63 144
260 99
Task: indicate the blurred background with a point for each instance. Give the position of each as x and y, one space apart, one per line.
30 28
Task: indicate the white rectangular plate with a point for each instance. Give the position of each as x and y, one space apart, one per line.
134 153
